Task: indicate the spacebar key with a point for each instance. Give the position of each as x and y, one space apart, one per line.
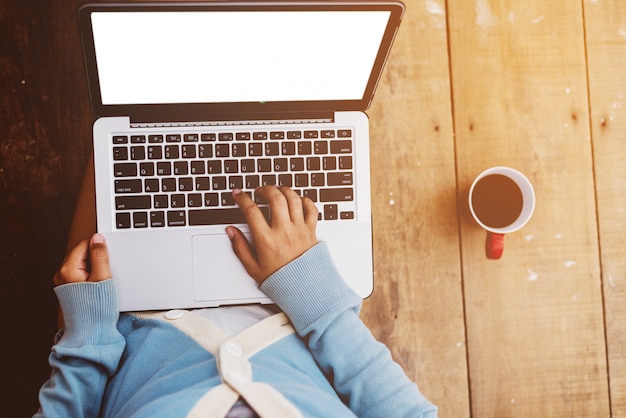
220 216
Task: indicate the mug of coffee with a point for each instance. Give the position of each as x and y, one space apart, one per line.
501 200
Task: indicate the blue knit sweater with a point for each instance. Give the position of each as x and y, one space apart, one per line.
111 365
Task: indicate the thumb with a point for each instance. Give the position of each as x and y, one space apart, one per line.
244 252
99 259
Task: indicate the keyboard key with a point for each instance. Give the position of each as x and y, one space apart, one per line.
194 200
191 138
157 219
120 139
331 212
320 147
296 164
239 150
317 179
225 136
172 152
168 185
235 182
311 134
346 215
242 136
313 163
203 183
155 152
288 148
137 153
281 164
259 136
311 194
255 149
272 149
138 139
214 167
219 216
205 151
197 167
176 218
277 135
252 182
231 166
211 199
219 183
177 201
345 162
140 219
151 186
181 168
328 134
208 137
343 194
125 169
305 148
339 179
164 168
155 139
302 180
189 151
285 180
132 202
248 166
122 220
128 186
341 147
222 150
227 199
185 184
161 201
329 163
268 180
146 169
120 153
173 138
264 165
344 133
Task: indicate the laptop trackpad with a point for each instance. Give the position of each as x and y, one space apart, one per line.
218 274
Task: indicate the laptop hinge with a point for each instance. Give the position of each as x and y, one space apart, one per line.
238 119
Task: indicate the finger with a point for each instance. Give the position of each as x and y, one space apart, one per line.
244 251
294 203
254 217
310 213
279 209
99 258
74 267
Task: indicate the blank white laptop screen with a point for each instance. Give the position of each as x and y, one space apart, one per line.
224 57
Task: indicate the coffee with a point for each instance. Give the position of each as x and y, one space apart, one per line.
497 201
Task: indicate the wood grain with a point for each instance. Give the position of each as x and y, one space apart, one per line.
417 305
534 318
605 24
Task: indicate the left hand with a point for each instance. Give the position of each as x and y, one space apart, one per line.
290 233
87 262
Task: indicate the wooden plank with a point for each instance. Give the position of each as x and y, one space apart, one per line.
534 318
417 305
605 24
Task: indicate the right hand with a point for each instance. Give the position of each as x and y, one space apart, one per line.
290 233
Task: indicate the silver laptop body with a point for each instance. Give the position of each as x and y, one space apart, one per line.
193 100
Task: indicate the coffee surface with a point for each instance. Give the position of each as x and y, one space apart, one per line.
497 201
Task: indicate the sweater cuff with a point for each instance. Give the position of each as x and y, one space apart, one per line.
310 287
90 312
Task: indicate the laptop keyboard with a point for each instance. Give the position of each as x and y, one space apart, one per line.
186 179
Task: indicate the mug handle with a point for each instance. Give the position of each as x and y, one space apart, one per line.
494 245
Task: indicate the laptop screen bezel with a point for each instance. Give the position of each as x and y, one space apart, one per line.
246 110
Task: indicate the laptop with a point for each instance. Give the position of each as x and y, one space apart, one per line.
193 100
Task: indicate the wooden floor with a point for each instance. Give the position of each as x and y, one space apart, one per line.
532 84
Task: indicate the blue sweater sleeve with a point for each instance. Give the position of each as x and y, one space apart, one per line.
87 351
324 311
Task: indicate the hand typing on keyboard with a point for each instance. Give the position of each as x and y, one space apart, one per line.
289 233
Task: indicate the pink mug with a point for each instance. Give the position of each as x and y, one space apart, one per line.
501 200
